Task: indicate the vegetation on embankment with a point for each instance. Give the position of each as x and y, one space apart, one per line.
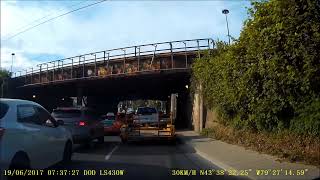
286 145
4 74
268 81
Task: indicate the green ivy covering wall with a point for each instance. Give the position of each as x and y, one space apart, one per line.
269 78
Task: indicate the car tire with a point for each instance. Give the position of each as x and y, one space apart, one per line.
88 144
124 140
172 142
67 153
101 140
20 161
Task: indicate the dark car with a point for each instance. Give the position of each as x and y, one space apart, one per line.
83 123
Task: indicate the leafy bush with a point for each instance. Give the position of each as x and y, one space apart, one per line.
269 79
4 73
308 118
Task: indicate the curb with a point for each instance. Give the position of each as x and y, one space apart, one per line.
211 159
217 162
225 166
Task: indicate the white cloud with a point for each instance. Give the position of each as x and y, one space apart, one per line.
110 25
20 62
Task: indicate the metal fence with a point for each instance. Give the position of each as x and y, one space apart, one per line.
116 61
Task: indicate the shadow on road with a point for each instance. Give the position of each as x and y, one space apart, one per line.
156 160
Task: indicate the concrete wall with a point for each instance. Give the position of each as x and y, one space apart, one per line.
202 117
211 117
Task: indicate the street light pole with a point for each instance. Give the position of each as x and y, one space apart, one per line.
226 11
12 62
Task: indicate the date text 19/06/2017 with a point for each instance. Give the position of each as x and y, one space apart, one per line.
64 172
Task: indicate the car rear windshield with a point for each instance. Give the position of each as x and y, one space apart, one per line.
146 110
66 113
110 117
3 109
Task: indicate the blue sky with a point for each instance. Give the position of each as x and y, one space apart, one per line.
108 25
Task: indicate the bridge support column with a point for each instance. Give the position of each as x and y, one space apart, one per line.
197 114
200 108
79 96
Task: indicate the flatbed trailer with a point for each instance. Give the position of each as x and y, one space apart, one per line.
133 130
163 129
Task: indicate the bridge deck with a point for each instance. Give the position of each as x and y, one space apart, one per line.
105 64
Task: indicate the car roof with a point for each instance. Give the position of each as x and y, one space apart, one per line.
72 108
16 101
146 107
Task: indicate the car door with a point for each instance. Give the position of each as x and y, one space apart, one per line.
55 137
33 139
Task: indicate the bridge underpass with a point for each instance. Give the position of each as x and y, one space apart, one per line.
105 94
107 80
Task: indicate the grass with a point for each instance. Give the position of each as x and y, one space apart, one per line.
285 145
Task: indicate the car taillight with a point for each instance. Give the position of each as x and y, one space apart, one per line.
82 123
1 132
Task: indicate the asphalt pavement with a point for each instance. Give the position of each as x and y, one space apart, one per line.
136 160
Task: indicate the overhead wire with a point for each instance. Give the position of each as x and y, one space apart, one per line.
51 19
48 15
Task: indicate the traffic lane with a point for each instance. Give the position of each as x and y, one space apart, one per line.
151 159
162 160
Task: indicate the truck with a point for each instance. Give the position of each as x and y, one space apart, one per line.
146 124
146 115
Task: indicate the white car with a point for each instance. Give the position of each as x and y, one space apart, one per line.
30 137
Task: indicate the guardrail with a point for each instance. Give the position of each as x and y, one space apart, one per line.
115 61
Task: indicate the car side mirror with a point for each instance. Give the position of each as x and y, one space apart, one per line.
60 122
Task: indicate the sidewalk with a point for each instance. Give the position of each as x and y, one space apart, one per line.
228 156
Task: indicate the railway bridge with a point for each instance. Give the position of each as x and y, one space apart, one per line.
104 78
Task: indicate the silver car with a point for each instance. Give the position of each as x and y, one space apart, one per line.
82 122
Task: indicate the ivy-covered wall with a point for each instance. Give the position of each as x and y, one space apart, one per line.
269 78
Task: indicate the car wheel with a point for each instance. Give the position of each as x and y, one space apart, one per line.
172 142
124 140
88 144
67 154
101 139
20 161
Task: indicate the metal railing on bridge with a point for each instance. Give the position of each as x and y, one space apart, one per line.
128 60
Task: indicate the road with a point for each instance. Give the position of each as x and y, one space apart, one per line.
138 160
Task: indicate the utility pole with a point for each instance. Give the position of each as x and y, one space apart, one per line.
2 84
12 55
226 11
